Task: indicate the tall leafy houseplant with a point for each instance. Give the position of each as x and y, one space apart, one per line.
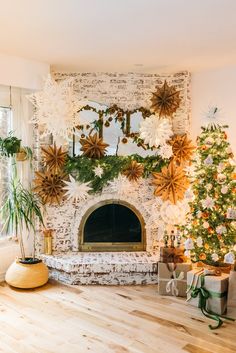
21 208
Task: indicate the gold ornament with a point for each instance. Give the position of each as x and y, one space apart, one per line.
134 171
202 256
182 148
166 100
49 186
93 146
54 158
171 183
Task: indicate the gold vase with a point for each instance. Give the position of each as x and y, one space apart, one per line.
21 156
47 241
26 276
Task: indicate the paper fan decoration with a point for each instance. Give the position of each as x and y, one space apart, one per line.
49 186
76 190
154 131
93 146
182 148
121 185
171 183
134 171
165 151
57 107
54 158
174 214
165 101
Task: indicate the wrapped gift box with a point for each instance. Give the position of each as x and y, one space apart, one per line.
172 276
232 290
217 286
169 255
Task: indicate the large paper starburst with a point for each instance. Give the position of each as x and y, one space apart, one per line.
134 171
49 186
76 190
93 146
182 148
53 157
121 185
165 101
171 183
57 107
154 131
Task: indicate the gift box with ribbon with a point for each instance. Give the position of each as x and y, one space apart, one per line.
169 254
209 293
214 289
172 278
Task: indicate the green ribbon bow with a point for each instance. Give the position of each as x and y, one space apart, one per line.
204 294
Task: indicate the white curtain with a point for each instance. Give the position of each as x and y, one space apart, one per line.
22 110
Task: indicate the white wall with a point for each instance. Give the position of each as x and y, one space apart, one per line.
23 73
27 75
218 88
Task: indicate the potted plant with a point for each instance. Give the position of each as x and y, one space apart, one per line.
21 208
10 145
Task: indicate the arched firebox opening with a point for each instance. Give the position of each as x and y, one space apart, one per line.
112 225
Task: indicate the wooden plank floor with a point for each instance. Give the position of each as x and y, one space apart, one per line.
104 319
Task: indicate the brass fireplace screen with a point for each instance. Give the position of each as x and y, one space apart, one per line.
112 225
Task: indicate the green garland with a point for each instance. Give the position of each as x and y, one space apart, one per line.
82 168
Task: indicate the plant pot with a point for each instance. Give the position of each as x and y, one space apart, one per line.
21 156
27 274
217 266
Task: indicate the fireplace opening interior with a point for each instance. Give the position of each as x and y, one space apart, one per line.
113 224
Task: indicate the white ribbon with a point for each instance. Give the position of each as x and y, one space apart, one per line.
172 285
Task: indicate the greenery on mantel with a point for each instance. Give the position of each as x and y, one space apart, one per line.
82 168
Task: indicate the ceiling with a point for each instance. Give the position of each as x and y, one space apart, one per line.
121 35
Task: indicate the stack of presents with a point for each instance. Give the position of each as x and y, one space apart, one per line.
211 289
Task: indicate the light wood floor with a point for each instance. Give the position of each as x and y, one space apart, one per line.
99 319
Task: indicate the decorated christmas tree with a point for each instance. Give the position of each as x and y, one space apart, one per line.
211 230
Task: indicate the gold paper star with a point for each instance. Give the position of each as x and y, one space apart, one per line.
54 158
165 101
49 186
182 148
171 183
93 146
134 171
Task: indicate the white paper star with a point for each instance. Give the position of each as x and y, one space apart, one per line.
121 185
212 117
154 131
165 151
57 107
98 171
76 190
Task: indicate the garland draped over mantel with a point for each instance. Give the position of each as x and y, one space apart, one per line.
83 168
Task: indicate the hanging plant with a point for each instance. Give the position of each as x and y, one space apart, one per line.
10 145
